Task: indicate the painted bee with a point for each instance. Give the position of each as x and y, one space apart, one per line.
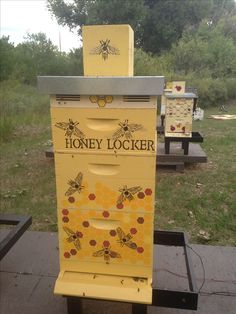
75 185
127 194
126 130
107 254
105 49
70 128
73 237
125 239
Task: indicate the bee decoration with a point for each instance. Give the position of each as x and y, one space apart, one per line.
73 237
125 239
75 185
128 193
105 49
126 130
70 128
107 254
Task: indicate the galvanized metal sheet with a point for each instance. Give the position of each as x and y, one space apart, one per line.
82 85
184 95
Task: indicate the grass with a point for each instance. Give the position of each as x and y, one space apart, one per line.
201 201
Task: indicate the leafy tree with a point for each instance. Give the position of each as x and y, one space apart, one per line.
7 59
157 23
77 13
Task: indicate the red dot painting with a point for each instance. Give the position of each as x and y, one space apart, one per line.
141 195
73 252
92 197
86 224
113 233
92 242
106 214
140 220
65 211
65 219
79 234
148 191
120 206
67 255
140 249
71 199
106 243
133 230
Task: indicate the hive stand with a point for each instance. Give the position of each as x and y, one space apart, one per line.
20 223
164 298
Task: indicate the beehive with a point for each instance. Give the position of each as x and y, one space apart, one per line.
178 115
104 135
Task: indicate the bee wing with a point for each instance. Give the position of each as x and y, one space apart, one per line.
96 51
131 245
79 178
68 231
77 244
70 191
99 253
128 237
62 125
79 133
114 254
118 133
135 189
134 127
69 132
113 50
120 233
120 199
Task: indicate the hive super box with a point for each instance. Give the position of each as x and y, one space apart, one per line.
108 50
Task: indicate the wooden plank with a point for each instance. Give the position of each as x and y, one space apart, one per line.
196 154
179 166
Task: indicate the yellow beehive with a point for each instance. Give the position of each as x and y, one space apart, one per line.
178 116
108 50
105 161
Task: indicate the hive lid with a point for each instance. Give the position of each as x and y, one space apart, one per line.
184 95
82 85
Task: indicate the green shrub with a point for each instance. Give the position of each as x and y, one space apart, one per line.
6 128
211 92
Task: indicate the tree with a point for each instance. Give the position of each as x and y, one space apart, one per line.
77 13
157 23
7 59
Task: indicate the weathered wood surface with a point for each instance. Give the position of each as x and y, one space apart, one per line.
29 270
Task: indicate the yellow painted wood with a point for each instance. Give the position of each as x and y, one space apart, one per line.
169 86
118 288
104 101
178 118
102 243
178 87
105 182
108 50
96 130
105 161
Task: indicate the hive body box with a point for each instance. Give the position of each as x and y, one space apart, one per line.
175 87
104 136
178 115
108 50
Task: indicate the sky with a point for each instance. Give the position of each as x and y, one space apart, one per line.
19 17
